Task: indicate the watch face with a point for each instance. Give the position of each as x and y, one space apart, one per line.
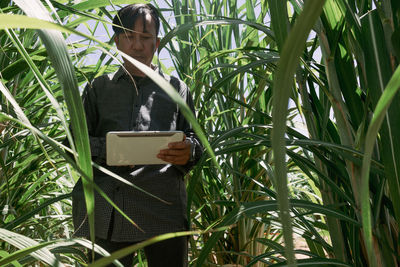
192 150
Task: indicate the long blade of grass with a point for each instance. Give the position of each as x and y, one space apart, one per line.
57 50
31 247
28 246
378 117
130 249
4 254
279 20
314 262
283 81
92 4
31 250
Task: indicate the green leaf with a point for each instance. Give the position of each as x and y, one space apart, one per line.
279 21
57 50
27 246
379 116
287 66
320 262
130 249
4 254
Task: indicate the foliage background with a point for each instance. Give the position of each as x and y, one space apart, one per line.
329 174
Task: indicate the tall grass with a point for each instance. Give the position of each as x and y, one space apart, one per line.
299 104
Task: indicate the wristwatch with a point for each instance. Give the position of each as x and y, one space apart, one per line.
192 150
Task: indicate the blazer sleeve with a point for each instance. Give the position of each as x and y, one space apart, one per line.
90 105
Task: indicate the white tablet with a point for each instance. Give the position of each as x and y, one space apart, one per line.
138 148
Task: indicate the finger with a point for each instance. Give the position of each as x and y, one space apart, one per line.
174 150
179 145
182 160
171 157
